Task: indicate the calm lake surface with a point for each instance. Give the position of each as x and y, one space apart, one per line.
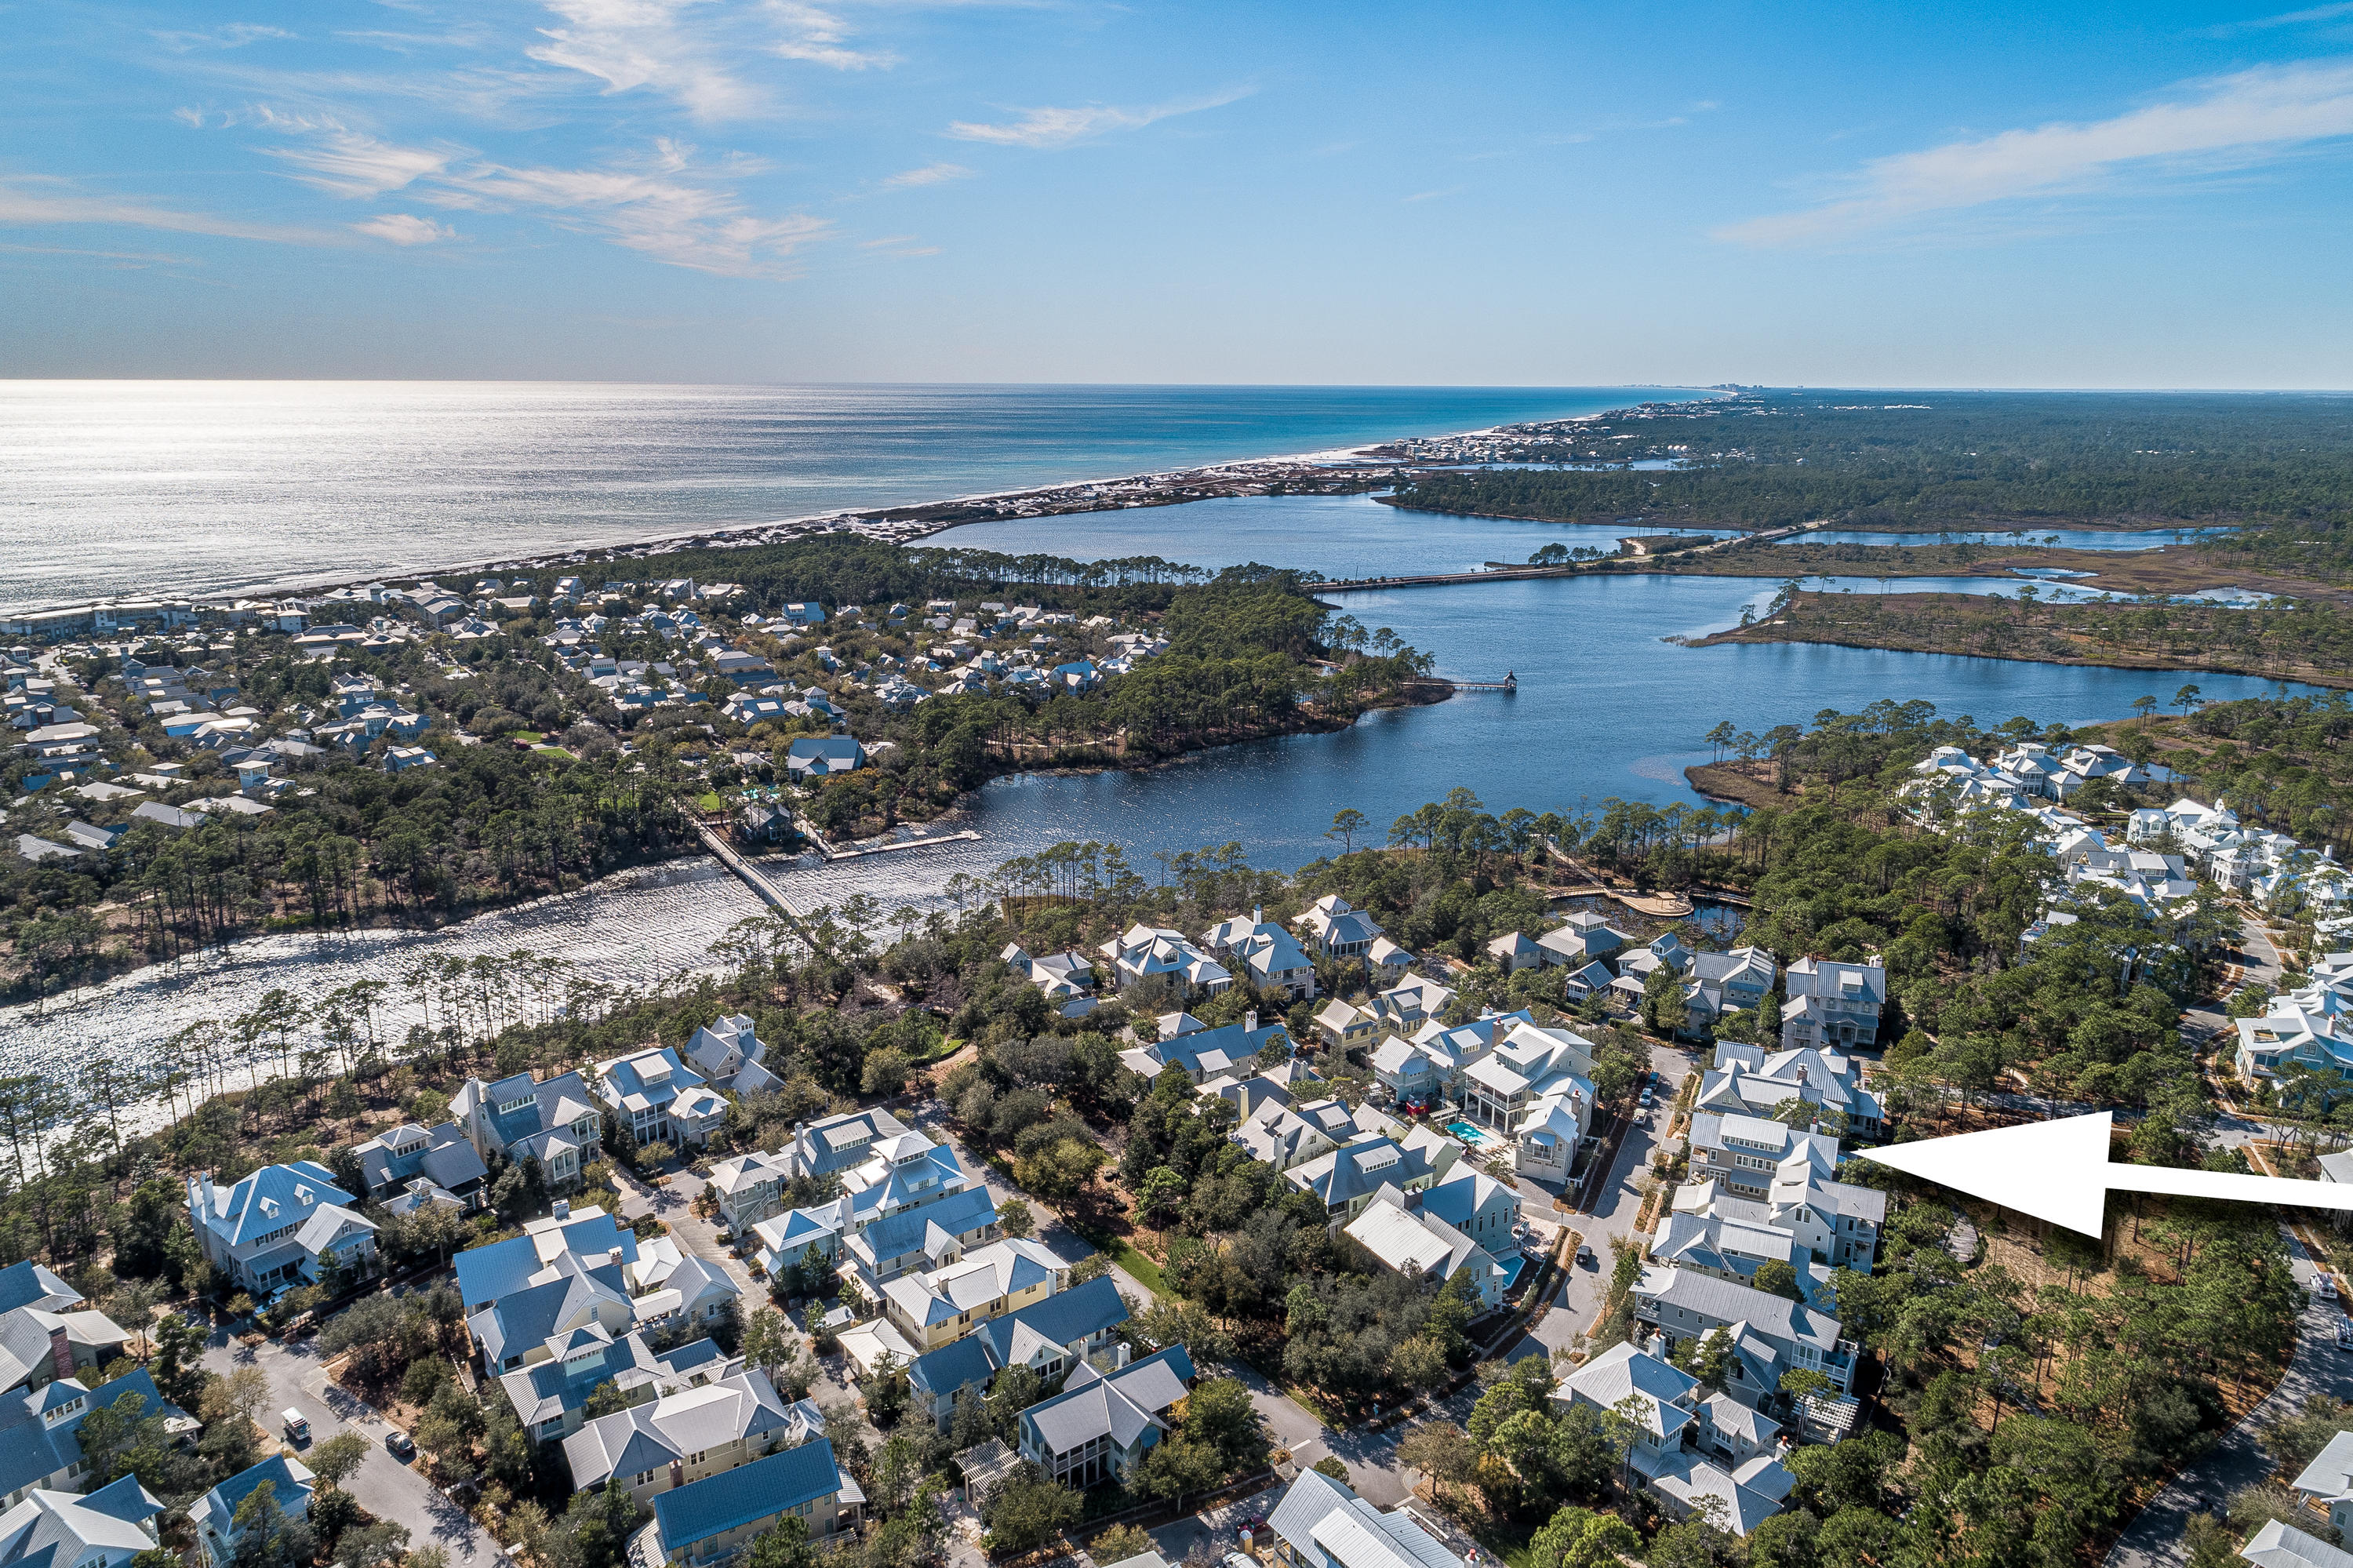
2064 538
1605 707
205 487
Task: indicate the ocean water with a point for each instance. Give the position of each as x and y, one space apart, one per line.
115 488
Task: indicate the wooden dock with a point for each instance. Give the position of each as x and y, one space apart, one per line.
752 876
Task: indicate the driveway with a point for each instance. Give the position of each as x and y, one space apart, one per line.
2155 1537
382 1485
673 1205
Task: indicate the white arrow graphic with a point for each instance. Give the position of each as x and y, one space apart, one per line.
2059 1171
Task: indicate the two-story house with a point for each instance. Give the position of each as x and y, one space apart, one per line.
557 1123
283 1226
1336 928
214 1515
1322 1524
1102 1424
654 1097
40 1441
442 1157
1707 1457
934 1307
731 1055
1400 1232
1049 1337
1770 1335
550 1395
682 1438
1270 956
1833 1004
1203 1054
750 1188
710 1522
107 1529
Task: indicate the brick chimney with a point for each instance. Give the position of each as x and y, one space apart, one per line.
61 1351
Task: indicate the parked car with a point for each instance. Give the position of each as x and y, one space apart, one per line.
1644 1100
2325 1287
2345 1333
396 1444
1584 1258
298 1430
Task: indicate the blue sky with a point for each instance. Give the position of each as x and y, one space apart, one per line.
1563 194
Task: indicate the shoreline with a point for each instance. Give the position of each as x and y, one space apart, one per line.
1372 463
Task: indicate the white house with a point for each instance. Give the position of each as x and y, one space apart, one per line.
283 1226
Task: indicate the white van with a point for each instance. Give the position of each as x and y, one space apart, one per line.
298 1430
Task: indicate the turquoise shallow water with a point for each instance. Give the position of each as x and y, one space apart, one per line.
203 487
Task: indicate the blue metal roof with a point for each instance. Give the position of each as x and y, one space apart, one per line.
952 1367
720 1503
1065 1317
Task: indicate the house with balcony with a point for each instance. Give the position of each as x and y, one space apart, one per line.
1528 1063
933 1307
1581 940
1832 1004
1049 1337
1721 983
393 1162
1709 1456
1344 1026
1747 1080
1746 1152
731 1055
708 1523
836 1144
1346 1180
1268 955
557 1123
214 1515
926 1236
523 1296
683 1438
550 1395
283 1226
1335 928
1411 1002
1067 979
40 1430
1769 1335
749 1188
654 1097
1103 1424
1144 953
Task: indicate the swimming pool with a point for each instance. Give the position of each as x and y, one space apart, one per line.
1476 1137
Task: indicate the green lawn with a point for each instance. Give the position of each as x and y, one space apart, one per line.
1145 1272
708 802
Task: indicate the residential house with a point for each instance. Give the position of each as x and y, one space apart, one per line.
1322 1524
931 1235
1347 1178
2326 1483
714 1521
1405 1237
557 1123
1387 962
730 1057
1748 1081
1207 1054
835 1144
1516 950
654 1097
1581 938
1344 1026
822 756
1833 1004
1270 956
442 1157
1336 928
1049 1337
1144 953
2278 1545
682 1438
40 1441
107 1529
1068 979
551 1395
523 1295
1721 983
1103 1424
1746 1152
214 1515
1528 1063
750 1188
931 1308
1770 1335
283 1224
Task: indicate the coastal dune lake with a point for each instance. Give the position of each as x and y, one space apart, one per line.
1604 707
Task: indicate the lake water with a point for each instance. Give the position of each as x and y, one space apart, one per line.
1605 707
205 487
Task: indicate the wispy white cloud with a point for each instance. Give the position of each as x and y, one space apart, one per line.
29 200
652 44
124 257
664 205
406 229
929 175
2305 17
818 36
234 35
2233 121
349 164
1062 127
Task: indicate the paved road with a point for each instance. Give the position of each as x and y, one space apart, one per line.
383 1485
2155 1540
